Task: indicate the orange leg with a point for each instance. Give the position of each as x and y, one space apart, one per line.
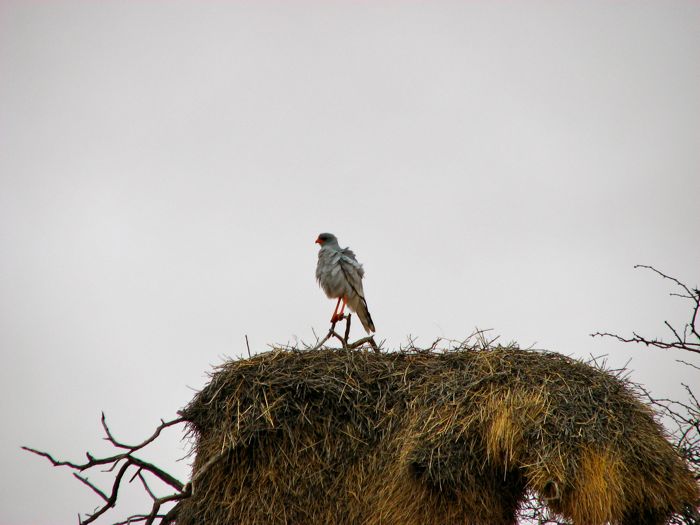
335 312
342 308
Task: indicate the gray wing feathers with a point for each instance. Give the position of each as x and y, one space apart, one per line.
349 257
353 273
359 305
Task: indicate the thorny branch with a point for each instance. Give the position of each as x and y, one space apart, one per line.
123 462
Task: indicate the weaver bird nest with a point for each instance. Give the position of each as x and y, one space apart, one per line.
426 436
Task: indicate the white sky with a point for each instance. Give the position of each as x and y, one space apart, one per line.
166 166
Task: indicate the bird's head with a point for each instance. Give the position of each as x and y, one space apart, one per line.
326 238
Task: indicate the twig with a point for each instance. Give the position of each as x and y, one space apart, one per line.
133 448
322 342
680 343
344 340
347 327
369 339
689 346
93 487
688 364
648 267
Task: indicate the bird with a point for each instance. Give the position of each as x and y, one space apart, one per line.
340 276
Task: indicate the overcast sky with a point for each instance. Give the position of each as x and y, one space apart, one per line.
165 168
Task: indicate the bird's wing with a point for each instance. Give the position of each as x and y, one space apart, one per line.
348 256
352 271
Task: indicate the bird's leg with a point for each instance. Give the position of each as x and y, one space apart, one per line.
342 308
336 317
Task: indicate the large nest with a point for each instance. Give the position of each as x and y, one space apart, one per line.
416 437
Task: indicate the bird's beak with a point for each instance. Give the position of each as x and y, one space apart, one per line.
318 241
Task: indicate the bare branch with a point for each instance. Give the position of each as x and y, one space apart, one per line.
690 347
694 319
678 337
369 339
112 500
688 364
137 518
145 484
125 461
133 448
323 341
344 340
648 267
93 487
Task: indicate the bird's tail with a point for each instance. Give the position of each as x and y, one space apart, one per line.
363 313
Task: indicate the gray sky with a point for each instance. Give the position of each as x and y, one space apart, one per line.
166 166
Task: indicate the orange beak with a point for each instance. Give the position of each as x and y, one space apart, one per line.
318 241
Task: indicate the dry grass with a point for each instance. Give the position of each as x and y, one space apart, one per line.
414 437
